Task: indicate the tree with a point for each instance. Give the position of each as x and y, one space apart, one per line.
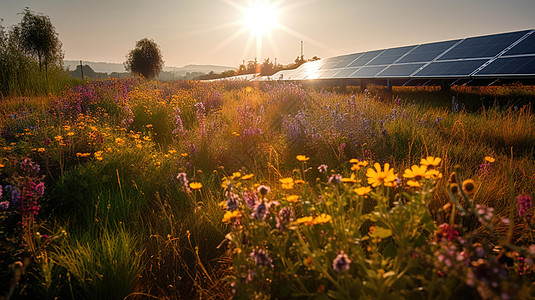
39 38
145 60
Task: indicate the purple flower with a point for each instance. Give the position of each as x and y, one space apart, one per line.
232 200
261 257
251 199
284 218
260 212
4 205
40 189
263 190
183 181
322 168
335 179
341 262
525 203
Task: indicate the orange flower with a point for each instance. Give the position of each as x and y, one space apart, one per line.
195 185
302 158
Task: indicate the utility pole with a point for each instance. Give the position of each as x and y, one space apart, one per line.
302 54
82 69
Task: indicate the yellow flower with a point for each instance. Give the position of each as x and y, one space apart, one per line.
2 165
357 165
82 154
416 172
70 133
287 183
302 158
171 151
98 155
235 133
361 191
183 154
350 179
230 216
430 161
248 89
292 198
146 138
41 150
58 138
119 141
413 183
490 159
469 187
322 219
235 175
299 181
433 174
67 127
148 125
248 176
377 177
195 185
305 220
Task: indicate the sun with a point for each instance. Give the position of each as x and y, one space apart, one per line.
260 17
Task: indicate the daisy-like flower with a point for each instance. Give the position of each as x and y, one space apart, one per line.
292 198
490 159
469 187
306 220
287 183
433 174
357 164
362 191
302 158
416 172
322 219
430 161
322 168
230 216
413 183
378 177
248 176
195 185
351 179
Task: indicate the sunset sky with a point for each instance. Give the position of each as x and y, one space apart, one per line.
213 31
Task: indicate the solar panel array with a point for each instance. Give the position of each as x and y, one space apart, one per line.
503 55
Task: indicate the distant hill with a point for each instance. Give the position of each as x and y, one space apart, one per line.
104 67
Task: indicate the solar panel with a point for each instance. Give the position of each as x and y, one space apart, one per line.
483 46
404 70
506 54
347 60
527 46
365 58
459 68
510 66
367 71
427 52
345 73
390 55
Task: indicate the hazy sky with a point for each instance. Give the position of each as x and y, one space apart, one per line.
210 31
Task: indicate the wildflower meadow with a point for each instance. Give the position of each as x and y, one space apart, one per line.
136 189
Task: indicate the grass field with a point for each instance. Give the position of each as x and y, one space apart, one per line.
134 189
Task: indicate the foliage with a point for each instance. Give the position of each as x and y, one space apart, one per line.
145 59
39 38
138 164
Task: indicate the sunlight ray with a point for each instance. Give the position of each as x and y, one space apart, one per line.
227 41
